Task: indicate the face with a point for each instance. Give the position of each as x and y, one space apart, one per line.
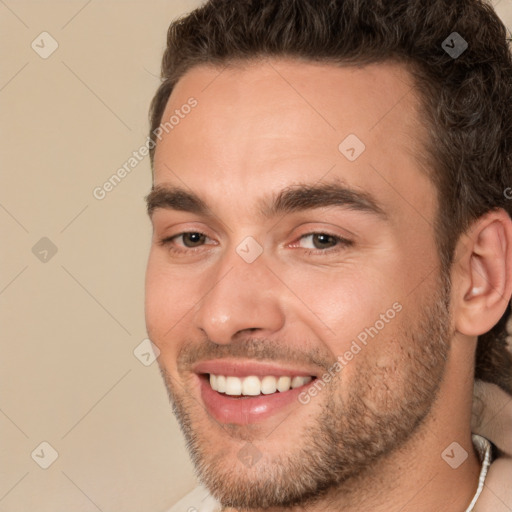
294 259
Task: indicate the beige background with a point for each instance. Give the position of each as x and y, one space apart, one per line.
70 324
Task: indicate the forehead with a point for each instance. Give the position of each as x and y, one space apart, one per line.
269 123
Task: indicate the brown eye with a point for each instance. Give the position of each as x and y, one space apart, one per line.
323 243
323 240
192 239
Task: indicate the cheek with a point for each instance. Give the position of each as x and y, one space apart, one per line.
346 305
153 296
165 301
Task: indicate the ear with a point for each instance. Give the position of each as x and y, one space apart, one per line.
482 274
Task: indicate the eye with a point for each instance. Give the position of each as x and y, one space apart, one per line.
190 241
322 243
320 240
318 243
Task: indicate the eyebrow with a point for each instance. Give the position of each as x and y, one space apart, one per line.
295 198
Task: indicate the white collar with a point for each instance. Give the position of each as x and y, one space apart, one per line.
483 448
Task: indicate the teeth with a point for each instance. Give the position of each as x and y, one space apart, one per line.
298 381
213 381
233 386
283 383
268 385
254 386
250 386
221 383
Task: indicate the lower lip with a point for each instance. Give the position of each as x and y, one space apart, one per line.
242 411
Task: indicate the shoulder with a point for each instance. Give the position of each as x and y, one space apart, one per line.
497 492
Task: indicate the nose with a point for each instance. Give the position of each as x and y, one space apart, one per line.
243 297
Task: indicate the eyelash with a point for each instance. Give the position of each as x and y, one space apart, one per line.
342 243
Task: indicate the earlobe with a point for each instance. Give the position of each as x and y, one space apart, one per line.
484 276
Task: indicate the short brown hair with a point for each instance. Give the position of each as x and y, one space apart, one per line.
466 99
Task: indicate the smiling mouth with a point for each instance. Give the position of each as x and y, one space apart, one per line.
254 386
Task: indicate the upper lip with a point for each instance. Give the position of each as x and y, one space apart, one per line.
238 368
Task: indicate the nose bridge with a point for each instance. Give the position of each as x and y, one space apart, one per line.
239 297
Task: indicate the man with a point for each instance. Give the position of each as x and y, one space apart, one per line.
331 266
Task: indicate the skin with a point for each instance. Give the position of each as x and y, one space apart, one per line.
260 128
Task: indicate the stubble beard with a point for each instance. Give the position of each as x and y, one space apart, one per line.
379 412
